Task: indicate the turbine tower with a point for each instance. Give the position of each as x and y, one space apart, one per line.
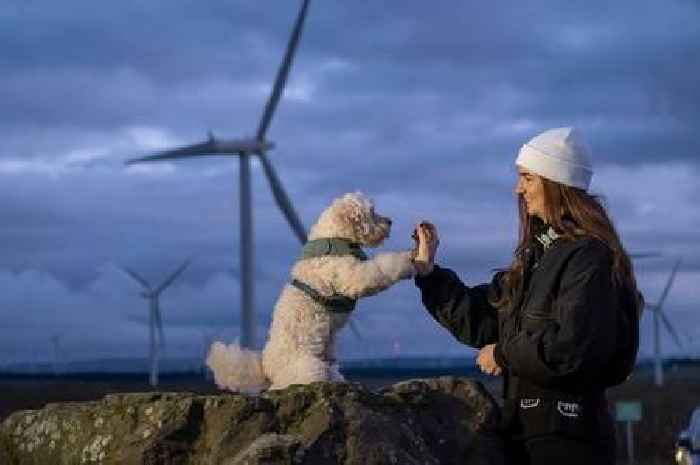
57 352
244 148
155 322
659 314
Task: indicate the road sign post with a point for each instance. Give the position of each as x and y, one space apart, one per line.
629 412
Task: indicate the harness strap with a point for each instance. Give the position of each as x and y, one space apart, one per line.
335 303
324 247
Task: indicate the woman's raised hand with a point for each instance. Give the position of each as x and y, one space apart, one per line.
427 239
487 360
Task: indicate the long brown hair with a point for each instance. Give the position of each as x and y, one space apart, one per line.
573 213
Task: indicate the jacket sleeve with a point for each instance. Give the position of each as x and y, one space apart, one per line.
576 344
464 311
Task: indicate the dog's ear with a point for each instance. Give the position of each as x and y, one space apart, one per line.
360 225
354 210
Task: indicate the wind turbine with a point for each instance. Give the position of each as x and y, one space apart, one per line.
659 314
244 148
57 352
155 324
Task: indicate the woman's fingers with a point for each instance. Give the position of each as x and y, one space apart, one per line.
422 233
426 243
427 229
491 370
432 234
427 232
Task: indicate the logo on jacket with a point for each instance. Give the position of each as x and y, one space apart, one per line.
569 409
548 238
529 403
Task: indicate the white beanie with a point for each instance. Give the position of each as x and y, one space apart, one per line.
559 155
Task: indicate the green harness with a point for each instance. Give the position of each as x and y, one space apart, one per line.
336 303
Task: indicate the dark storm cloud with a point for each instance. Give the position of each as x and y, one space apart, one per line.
599 66
423 106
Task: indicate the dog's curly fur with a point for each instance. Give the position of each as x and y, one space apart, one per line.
301 343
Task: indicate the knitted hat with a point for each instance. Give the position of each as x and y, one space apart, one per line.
559 155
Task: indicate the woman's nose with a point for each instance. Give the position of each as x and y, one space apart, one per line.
518 188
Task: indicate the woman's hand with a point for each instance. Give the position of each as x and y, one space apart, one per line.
487 361
426 248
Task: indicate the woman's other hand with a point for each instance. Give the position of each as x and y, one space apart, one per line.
487 361
427 243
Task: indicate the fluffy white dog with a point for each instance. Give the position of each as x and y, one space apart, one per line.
331 275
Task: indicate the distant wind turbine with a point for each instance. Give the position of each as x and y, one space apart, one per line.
659 314
57 352
244 148
155 324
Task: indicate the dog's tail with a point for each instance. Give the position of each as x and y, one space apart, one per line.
236 368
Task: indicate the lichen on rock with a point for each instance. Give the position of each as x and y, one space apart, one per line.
430 421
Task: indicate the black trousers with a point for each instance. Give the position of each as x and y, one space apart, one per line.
546 450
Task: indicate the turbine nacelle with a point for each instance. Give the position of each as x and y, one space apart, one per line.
243 146
246 145
212 146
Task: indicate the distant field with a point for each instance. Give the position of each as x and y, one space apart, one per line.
665 411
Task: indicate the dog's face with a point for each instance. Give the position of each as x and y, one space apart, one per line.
353 217
369 227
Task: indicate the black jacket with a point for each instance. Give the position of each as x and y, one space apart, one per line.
569 334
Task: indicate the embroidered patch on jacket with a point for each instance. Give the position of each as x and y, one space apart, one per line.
529 403
548 238
569 409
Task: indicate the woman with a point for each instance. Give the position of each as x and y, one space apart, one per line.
561 323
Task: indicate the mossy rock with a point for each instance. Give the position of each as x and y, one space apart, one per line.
430 421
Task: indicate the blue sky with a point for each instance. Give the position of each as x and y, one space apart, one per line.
422 107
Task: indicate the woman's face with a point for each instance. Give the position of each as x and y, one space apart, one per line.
530 186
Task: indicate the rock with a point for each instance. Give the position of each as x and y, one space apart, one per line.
425 421
271 448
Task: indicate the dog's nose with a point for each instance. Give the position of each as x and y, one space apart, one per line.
388 221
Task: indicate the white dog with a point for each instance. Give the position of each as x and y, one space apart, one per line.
331 275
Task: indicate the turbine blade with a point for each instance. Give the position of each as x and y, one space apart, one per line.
282 73
205 148
669 283
136 277
671 330
173 276
354 329
282 200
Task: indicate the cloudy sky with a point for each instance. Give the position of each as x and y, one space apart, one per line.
421 105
